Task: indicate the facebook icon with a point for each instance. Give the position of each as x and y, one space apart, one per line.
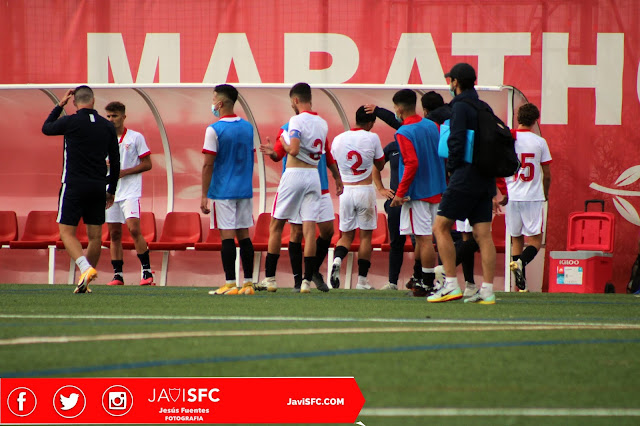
22 402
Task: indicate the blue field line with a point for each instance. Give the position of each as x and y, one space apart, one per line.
61 372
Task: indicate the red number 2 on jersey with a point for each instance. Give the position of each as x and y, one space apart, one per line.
358 163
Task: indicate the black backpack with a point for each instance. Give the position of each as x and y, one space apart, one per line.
494 152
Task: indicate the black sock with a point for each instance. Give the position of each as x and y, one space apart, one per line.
270 264
228 254
468 266
465 249
515 257
528 254
322 248
117 266
144 260
417 269
363 267
428 278
309 267
246 257
341 252
295 257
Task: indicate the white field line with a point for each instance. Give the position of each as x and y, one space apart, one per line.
426 321
500 412
31 340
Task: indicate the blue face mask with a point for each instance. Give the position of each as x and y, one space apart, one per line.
453 92
215 111
398 118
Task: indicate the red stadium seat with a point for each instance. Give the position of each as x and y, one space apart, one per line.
498 230
40 231
81 233
212 243
147 227
261 235
8 227
379 236
180 230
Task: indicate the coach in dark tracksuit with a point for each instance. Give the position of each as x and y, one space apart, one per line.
89 140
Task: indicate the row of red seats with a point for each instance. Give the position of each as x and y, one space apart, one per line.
180 230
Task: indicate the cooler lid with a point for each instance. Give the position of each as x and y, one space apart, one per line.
580 254
591 231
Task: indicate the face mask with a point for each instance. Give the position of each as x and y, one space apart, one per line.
398 118
215 111
453 92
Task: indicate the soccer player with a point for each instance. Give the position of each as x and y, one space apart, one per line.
422 182
88 140
528 190
227 179
135 159
299 189
325 214
357 151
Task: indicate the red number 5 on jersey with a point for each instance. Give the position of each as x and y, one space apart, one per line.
526 165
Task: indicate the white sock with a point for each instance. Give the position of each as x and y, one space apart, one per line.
486 289
362 280
337 261
230 281
83 264
451 282
428 271
248 280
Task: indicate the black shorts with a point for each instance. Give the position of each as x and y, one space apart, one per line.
86 201
456 205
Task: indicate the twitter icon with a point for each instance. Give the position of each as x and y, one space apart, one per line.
68 402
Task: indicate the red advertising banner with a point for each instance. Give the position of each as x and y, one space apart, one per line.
209 400
578 61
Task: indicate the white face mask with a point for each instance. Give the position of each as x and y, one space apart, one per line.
215 111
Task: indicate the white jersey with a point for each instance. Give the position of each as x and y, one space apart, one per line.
133 147
526 184
355 151
312 131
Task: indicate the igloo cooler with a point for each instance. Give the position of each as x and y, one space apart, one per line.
587 266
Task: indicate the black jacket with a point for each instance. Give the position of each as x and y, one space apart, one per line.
464 176
88 140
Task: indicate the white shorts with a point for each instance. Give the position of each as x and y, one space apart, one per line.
232 214
358 208
122 210
298 195
325 210
417 217
524 218
463 226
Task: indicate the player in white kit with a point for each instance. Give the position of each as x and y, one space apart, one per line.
528 190
299 189
357 151
135 159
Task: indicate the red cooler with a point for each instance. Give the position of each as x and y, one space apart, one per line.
588 265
